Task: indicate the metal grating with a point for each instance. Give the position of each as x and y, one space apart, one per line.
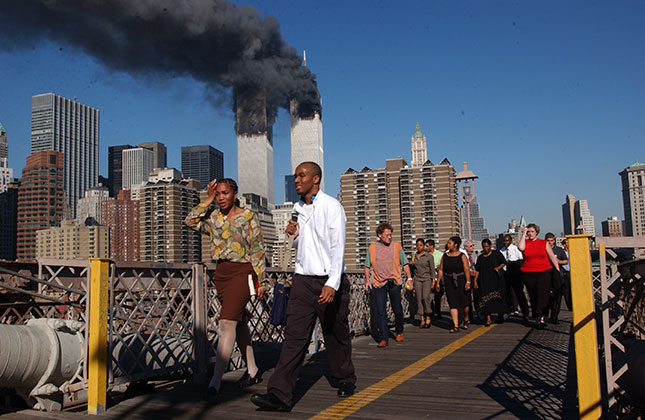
151 320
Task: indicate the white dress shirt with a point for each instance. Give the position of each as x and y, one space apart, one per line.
321 239
512 253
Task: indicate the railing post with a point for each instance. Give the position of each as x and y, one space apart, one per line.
584 328
200 347
606 330
98 325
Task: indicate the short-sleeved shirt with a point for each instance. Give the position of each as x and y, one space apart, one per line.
424 267
384 263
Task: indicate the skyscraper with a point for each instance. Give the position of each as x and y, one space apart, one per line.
568 216
115 168
203 163
90 204
159 153
584 220
4 146
40 199
418 202
290 193
72 128
429 207
137 165
282 214
632 180
306 139
479 232
611 227
254 145
8 221
165 201
259 206
419 148
121 215
6 173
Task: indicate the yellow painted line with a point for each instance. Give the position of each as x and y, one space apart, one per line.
359 400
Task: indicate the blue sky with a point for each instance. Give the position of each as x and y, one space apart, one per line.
542 99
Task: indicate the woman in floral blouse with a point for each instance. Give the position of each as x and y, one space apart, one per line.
238 247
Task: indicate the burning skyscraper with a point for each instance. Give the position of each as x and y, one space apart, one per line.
228 47
306 136
254 144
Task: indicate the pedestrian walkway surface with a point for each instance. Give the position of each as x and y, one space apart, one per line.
504 371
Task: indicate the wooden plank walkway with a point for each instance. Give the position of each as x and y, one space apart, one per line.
510 371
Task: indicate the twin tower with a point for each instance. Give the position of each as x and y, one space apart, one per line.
255 150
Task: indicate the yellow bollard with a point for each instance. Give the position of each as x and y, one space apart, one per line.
584 328
98 328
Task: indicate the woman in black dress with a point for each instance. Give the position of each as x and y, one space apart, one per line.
456 275
489 279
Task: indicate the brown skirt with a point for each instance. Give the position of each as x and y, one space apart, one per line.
232 285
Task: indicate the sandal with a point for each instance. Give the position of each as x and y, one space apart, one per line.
454 330
466 324
422 324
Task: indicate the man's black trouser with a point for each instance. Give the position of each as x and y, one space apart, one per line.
515 284
436 304
302 310
558 293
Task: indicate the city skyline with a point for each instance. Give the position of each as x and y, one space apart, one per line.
534 112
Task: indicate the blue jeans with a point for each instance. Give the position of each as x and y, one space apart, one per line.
380 296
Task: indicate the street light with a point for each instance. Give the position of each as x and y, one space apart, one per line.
466 181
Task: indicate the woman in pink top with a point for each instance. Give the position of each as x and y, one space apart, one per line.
536 270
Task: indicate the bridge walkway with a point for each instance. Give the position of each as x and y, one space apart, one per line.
504 371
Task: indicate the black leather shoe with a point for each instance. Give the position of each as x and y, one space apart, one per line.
211 395
247 380
346 389
269 402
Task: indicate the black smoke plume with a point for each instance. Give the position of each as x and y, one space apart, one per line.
213 41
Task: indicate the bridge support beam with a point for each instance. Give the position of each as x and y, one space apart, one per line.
98 328
584 328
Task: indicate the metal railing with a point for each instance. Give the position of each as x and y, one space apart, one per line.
161 318
604 315
619 295
50 289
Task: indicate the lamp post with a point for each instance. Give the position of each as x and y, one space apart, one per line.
466 181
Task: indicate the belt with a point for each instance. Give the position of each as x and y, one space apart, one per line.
313 277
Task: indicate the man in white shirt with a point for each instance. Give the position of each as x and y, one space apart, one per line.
513 276
319 290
